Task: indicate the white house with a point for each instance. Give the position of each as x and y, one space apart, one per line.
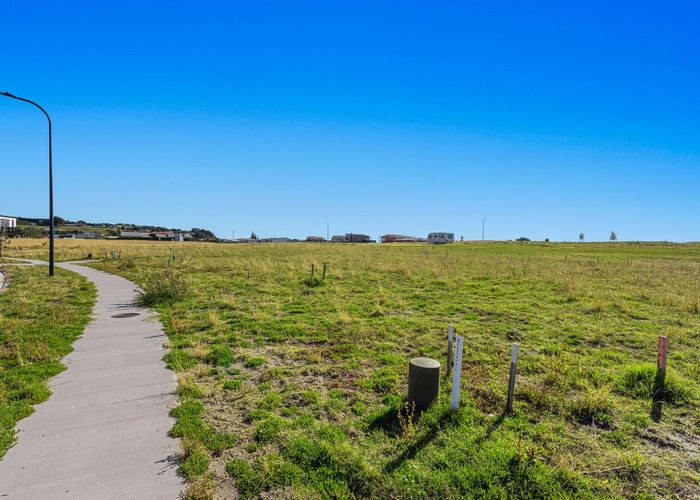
7 222
438 238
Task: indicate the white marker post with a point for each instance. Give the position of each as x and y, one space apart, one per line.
511 381
457 374
450 335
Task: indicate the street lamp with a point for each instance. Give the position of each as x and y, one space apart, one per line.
483 228
51 225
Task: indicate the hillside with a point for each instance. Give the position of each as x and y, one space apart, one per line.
34 227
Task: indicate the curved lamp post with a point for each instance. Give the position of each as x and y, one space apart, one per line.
51 224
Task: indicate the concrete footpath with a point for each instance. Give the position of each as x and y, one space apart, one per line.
103 434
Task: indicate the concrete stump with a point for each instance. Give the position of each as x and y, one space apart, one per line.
423 382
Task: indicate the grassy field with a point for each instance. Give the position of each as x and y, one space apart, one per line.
294 387
39 320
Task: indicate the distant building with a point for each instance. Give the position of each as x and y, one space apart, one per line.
87 236
7 222
315 239
274 240
439 238
158 235
163 235
79 235
135 234
352 238
401 238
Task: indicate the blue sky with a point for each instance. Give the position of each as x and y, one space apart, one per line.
548 118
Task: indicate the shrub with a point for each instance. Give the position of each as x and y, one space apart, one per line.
254 361
247 482
178 360
304 452
313 282
161 289
594 406
216 442
639 381
220 355
268 429
195 464
232 384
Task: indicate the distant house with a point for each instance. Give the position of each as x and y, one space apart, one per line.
315 239
135 234
87 236
7 222
158 235
439 238
274 240
352 238
400 238
163 235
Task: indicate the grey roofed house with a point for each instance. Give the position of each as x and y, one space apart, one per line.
275 240
134 234
351 238
441 237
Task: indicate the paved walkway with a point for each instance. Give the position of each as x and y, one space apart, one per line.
103 434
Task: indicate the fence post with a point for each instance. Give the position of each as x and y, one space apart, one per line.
660 380
457 374
450 334
325 266
312 270
513 372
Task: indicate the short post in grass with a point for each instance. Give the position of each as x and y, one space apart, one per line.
660 380
312 271
325 268
450 335
457 373
511 381
423 382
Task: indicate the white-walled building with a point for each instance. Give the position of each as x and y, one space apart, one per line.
441 238
7 222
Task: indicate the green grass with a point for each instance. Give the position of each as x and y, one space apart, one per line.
40 317
311 380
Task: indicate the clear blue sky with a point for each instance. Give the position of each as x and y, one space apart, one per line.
375 117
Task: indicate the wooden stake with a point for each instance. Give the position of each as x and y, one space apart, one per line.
457 374
658 397
325 266
312 270
663 354
513 372
450 334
